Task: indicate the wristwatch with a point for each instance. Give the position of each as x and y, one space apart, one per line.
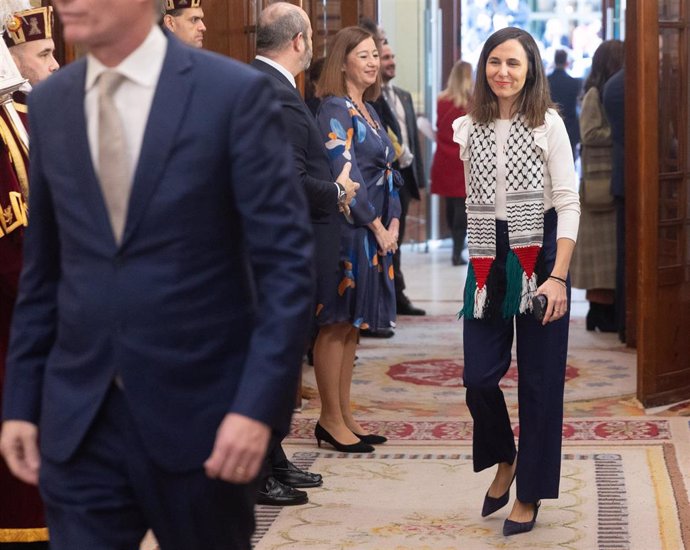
341 193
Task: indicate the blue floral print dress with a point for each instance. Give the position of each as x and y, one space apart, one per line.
366 292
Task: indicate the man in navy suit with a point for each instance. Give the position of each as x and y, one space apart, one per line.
158 332
565 92
285 50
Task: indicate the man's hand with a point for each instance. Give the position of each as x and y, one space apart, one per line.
19 446
349 185
239 450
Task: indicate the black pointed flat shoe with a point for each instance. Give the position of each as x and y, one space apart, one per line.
493 504
511 527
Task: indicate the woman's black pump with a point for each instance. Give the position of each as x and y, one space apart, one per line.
322 435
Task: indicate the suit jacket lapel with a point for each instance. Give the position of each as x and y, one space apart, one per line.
167 110
80 152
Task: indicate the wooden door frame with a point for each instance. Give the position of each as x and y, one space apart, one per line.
642 207
655 316
642 192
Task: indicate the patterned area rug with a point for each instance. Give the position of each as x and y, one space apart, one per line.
624 472
612 497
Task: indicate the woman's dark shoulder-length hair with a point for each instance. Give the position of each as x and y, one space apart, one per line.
534 99
332 79
607 60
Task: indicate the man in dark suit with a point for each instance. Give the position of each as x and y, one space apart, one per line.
396 110
284 49
565 92
157 337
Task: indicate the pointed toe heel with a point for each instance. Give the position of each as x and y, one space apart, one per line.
493 504
511 527
322 435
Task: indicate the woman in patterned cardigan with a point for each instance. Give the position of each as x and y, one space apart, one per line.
523 214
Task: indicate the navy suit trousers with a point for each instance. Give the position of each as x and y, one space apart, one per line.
122 493
541 360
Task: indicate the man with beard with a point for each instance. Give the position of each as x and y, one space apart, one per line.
285 50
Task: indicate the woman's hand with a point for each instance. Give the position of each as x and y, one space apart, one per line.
394 229
554 288
557 306
387 241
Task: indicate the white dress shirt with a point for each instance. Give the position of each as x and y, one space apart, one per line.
134 96
278 67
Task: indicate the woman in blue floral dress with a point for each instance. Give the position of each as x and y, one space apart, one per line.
365 297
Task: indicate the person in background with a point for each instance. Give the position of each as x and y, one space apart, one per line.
313 75
523 214
376 30
185 19
400 116
32 50
392 127
158 333
284 50
365 295
614 107
447 170
594 261
29 38
565 92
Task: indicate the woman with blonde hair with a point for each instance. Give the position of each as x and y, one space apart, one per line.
447 171
369 230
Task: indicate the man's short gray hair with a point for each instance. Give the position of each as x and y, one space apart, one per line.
278 24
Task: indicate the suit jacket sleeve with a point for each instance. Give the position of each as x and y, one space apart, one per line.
279 245
322 195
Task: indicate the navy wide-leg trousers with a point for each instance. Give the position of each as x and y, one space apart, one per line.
541 359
